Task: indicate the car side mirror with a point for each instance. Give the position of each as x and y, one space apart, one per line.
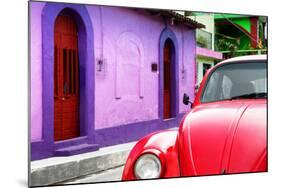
186 100
196 88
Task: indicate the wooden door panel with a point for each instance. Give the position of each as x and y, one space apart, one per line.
167 81
167 104
66 79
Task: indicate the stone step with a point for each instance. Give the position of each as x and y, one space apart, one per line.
77 149
71 142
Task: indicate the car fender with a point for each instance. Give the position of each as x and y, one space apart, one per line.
164 145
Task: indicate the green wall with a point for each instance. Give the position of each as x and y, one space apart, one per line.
244 23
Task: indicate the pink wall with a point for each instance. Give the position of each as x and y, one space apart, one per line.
127 41
208 53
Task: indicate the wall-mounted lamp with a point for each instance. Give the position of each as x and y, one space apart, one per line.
100 65
154 67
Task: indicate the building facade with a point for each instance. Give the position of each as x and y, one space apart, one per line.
238 35
206 56
106 75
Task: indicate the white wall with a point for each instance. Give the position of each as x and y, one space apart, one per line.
208 20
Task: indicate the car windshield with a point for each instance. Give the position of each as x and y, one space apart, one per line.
236 81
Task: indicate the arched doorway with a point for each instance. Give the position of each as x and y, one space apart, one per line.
169 81
66 78
168 75
86 55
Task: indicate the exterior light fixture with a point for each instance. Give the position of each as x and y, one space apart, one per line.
100 64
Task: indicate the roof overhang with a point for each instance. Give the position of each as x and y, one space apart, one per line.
179 18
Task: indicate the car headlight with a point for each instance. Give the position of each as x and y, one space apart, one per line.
148 166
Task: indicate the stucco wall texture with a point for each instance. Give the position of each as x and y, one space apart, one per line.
127 41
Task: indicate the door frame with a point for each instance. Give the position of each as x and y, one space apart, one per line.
166 34
86 69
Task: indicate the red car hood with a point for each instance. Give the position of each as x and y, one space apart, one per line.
224 137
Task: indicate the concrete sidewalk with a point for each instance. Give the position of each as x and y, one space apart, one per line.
60 169
110 175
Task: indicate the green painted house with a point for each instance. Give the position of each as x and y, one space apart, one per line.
237 35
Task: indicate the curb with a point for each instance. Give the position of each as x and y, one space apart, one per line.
58 169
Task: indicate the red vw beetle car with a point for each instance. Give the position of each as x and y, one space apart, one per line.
225 132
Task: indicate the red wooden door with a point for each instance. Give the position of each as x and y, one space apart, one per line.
167 80
66 79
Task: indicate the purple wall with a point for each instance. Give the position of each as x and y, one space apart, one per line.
126 90
36 70
128 41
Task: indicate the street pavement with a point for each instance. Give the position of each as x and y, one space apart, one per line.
103 165
113 174
105 176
